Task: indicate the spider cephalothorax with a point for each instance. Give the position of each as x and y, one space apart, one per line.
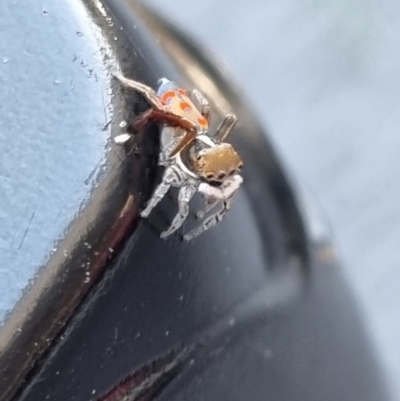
216 163
211 168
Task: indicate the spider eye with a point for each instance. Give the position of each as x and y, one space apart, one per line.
209 175
232 172
221 175
240 165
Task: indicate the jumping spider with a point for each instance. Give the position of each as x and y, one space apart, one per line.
194 161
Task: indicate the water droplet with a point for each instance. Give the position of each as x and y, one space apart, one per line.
45 11
56 82
5 60
80 34
122 124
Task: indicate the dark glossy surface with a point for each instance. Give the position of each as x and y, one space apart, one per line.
323 76
253 309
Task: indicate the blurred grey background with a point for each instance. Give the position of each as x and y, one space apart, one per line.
324 78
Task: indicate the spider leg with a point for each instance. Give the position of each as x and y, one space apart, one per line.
169 178
208 208
165 117
185 142
140 122
210 221
225 128
213 197
149 94
185 195
159 113
205 105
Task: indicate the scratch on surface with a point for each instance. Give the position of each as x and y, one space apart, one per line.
92 173
27 229
107 121
146 383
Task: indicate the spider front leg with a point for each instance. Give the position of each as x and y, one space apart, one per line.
169 178
211 221
185 195
213 195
